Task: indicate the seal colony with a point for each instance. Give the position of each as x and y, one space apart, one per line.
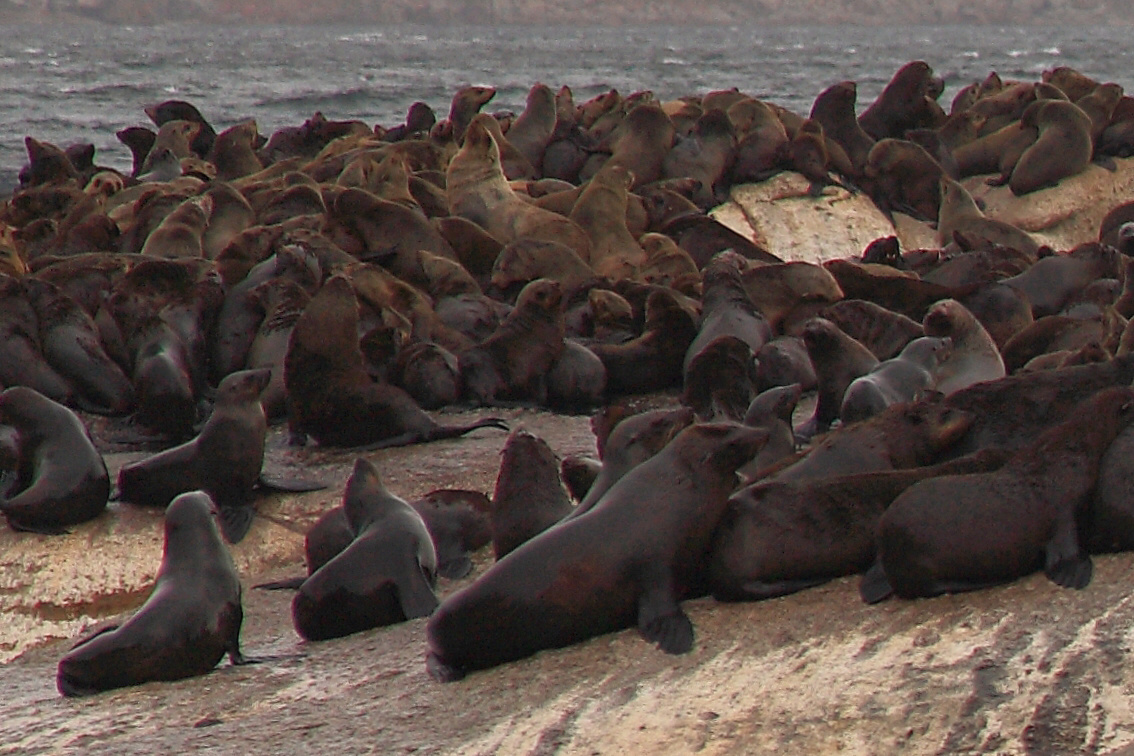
349 274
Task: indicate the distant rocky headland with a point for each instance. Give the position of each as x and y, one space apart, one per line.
590 12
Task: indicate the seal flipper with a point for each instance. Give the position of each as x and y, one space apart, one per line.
454 567
288 484
1065 562
235 521
440 671
875 585
661 621
415 595
288 584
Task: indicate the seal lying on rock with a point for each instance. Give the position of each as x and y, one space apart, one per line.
964 532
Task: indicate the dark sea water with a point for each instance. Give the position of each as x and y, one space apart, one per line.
66 84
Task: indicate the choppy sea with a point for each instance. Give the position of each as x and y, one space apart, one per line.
67 84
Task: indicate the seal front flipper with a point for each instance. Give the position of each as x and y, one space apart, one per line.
1065 563
288 584
288 484
661 621
454 567
875 585
415 594
440 671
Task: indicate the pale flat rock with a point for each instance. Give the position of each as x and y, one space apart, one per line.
779 214
1064 215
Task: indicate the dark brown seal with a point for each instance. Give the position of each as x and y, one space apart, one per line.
513 362
574 581
331 397
838 360
61 479
529 497
224 460
965 532
779 537
384 576
188 623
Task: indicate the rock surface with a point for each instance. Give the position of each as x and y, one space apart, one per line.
1027 668
778 213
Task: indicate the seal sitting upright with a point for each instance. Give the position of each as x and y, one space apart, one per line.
627 562
188 623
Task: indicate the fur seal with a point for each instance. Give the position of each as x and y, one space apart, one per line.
529 496
960 213
653 360
779 537
576 380
834 110
974 357
188 623
726 309
478 191
224 459
838 360
706 155
1062 148
720 381
600 210
513 362
901 436
898 379
884 332
385 575
772 410
71 344
907 102
61 479
629 443
329 393
937 536
573 582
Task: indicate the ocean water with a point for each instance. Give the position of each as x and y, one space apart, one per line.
68 84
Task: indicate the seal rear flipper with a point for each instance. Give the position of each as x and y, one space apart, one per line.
1065 562
875 585
440 671
235 521
289 584
288 484
32 527
661 621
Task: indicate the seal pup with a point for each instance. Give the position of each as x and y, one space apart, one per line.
964 532
224 459
838 360
188 623
772 410
899 379
61 479
529 496
385 575
974 356
573 582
